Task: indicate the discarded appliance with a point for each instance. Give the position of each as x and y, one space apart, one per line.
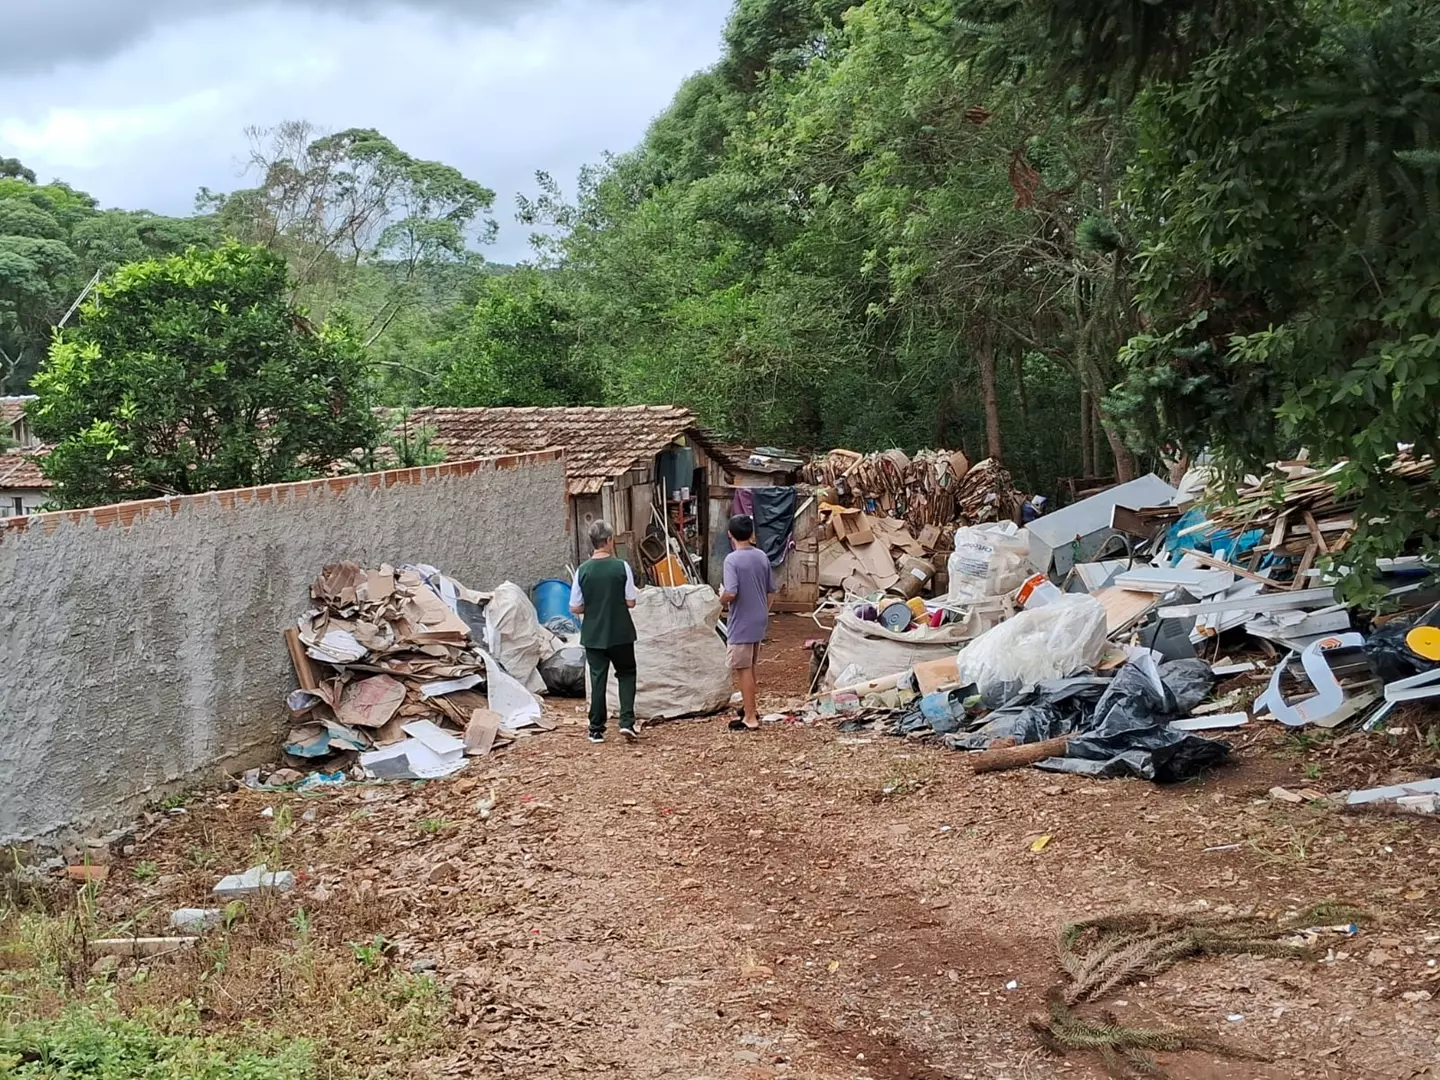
1077 533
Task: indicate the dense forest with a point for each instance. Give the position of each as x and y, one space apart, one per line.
1079 235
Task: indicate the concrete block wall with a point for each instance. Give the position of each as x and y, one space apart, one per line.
140 644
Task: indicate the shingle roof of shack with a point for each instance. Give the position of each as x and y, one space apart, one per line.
599 443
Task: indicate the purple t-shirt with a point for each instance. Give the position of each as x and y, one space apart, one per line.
749 579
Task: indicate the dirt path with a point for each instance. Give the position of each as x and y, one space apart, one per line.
799 903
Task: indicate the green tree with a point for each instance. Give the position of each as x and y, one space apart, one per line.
517 348
1276 234
840 236
36 266
196 373
363 224
53 241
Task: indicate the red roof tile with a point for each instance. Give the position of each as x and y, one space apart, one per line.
23 471
11 410
599 443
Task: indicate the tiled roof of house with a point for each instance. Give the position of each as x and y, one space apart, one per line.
11 410
23 471
599 443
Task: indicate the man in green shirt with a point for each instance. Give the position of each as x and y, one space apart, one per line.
604 592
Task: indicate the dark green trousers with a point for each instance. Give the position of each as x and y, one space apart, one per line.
622 658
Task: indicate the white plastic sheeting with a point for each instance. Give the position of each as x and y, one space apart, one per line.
1052 642
514 636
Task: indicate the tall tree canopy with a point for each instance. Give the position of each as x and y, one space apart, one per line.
196 373
517 346
365 226
840 236
53 240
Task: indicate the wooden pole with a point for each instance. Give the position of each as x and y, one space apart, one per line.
1017 757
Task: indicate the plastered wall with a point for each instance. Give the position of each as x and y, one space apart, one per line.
140 644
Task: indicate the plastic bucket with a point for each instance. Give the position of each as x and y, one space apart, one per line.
552 599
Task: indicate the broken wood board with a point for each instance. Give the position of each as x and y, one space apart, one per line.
1220 564
1124 607
1225 704
1354 705
1289 632
1394 791
1221 671
304 669
1195 582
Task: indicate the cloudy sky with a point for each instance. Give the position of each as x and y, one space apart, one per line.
141 102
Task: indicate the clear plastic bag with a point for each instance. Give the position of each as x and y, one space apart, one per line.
1052 642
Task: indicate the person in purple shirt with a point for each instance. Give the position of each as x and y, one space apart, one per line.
749 584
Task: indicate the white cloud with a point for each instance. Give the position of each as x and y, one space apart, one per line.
549 90
68 139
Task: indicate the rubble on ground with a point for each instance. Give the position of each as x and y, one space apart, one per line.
1111 666
1298 505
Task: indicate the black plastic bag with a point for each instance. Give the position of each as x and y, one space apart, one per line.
1390 658
1117 727
564 673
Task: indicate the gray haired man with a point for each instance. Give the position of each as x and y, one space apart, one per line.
604 592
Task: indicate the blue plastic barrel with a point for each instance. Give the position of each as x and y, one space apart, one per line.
552 600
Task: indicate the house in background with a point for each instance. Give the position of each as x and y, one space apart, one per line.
23 487
624 464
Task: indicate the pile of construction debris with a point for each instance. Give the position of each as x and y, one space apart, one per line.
1299 510
1109 667
890 520
934 488
388 660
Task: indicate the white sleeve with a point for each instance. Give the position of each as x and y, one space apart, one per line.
631 593
577 598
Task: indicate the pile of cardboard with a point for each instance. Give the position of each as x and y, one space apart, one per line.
386 664
934 488
863 554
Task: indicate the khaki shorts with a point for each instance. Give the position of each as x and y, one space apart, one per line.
742 657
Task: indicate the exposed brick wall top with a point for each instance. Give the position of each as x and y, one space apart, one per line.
126 514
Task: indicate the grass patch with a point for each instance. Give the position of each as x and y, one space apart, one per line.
277 992
95 1042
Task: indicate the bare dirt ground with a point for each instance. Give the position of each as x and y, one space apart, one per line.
800 903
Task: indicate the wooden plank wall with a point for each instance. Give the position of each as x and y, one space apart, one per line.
799 579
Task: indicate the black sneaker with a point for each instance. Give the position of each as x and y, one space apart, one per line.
597 738
631 735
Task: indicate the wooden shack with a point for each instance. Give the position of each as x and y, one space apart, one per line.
729 467
624 464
